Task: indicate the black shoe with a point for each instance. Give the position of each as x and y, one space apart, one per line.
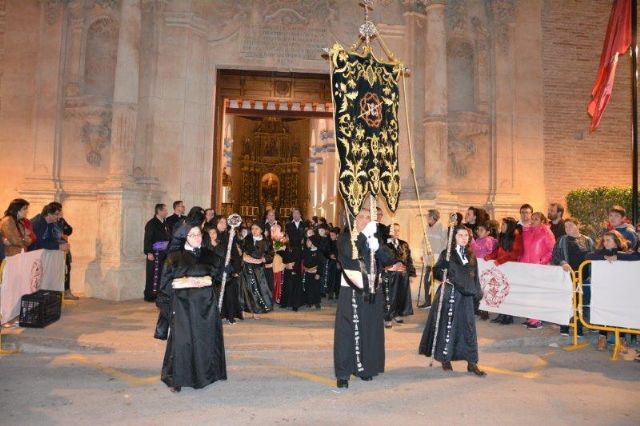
342 383
294 309
506 320
484 315
446 366
498 319
423 306
366 378
175 389
473 368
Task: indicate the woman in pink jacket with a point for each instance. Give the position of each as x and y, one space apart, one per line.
537 247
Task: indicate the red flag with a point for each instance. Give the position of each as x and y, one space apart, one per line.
616 42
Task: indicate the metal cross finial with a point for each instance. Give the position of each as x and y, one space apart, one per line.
368 29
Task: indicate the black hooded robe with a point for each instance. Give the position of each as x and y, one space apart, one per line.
460 342
194 355
358 344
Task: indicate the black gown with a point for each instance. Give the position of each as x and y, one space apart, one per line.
255 295
358 344
324 247
333 275
399 283
195 346
312 260
156 239
460 342
231 308
292 289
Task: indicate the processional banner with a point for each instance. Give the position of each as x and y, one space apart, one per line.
365 102
26 273
526 290
615 293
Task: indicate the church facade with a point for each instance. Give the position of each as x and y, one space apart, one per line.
111 106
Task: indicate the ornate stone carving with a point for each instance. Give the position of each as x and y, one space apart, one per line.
418 5
52 10
457 14
107 4
464 129
100 62
503 15
96 135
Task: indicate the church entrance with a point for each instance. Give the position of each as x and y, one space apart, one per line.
274 145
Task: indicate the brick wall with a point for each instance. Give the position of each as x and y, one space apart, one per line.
573 34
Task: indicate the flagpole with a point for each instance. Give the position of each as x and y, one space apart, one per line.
634 111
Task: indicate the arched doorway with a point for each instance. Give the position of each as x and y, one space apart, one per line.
274 145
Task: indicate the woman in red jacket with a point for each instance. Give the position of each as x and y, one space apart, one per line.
509 250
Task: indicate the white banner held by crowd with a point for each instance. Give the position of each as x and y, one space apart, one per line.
615 293
27 273
526 290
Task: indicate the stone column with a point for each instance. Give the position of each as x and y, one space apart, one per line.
125 95
415 41
124 204
74 48
435 103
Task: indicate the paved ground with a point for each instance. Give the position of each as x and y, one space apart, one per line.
100 365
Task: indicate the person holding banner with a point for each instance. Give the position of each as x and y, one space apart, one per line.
569 252
358 342
457 339
537 246
509 250
612 247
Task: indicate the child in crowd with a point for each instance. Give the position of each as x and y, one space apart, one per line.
485 244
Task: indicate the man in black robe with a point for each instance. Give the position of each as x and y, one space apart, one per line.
156 238
295 230
399 283
359 330
176 217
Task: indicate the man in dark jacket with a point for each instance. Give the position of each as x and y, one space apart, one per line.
156 239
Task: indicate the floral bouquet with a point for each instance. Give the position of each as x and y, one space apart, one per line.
278 237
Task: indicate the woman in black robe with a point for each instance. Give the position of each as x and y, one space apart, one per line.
195 346
292 290
255 295
457 339
311 260
217 242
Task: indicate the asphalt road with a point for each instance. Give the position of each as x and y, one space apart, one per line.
100 365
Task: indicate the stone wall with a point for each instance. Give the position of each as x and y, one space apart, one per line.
108 105
573 35
20 24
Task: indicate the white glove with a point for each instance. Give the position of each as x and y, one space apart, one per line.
373 243
370 229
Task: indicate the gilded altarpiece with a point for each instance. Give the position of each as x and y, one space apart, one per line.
270 167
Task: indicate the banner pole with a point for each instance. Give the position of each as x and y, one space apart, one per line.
634 112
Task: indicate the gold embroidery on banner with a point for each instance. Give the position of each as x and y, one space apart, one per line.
366 120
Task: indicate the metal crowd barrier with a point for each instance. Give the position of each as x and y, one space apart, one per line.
578 307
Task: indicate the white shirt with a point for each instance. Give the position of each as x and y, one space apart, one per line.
463 257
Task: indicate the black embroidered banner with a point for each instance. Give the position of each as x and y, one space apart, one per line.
365 100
